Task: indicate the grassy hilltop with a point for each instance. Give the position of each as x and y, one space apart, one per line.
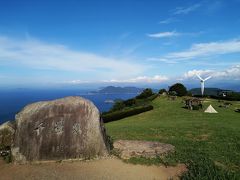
208 143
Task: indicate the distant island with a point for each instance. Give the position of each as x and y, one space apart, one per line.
119 90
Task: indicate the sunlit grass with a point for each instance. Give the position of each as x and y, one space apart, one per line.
198 137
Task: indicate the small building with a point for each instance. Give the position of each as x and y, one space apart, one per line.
193 103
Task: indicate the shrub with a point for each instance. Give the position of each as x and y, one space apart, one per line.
6 153
8 158
118 105
110 142
130 102
113 116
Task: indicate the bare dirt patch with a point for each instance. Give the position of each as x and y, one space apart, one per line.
110 168
148 149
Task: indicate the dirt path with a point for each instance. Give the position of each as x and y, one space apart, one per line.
111 168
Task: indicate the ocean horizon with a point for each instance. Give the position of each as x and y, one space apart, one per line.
14 100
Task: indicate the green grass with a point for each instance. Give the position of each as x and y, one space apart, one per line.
209 144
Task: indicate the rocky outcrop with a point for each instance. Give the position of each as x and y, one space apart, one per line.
7 130
148 149
66 128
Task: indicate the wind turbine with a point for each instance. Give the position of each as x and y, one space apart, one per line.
202 82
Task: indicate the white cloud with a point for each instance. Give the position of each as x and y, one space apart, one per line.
35 54
77 82
186 10
168 21
192 73
232 73
161 60
163 34
206 50
140 79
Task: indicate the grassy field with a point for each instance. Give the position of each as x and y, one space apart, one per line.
208 143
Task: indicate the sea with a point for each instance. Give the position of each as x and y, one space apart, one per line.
13 100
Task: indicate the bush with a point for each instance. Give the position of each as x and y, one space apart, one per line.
6 153
113 116
179 88
110 142
130 102
118 105
8 158
145 94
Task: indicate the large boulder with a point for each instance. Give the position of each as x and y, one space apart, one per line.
7 130
67 128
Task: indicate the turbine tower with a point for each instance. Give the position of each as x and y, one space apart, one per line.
202 82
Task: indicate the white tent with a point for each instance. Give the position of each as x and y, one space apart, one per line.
210 109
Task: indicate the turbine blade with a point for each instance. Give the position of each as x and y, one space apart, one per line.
199 77
207 78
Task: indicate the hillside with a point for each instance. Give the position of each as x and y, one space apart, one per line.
207 143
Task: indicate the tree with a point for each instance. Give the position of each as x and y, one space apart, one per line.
118 105
145 94
179 88
162 91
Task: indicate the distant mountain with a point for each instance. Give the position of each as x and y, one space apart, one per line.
120 90
207 91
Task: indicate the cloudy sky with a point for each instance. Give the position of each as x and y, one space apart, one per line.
129 41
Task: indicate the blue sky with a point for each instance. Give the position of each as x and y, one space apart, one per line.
52 43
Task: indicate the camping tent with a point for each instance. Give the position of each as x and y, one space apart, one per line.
210 109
